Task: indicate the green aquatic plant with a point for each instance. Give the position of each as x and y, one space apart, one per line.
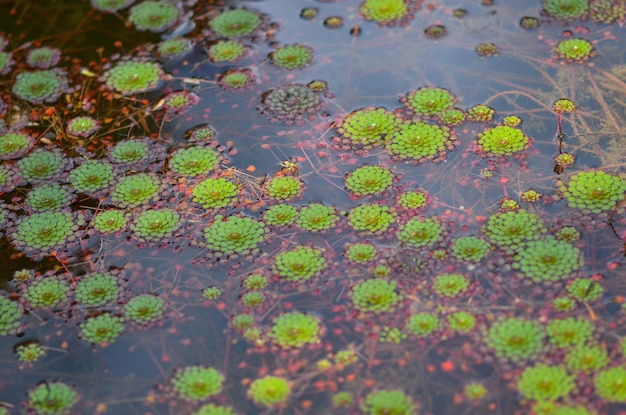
269 391
197 383
369 180
176 47
422 324
563 106
132 76
110 6
515 339
82 126
43 57
155 16
290 103
155 225
368 127
480 113
610 384
388 402
593 191
585 289
376 295
586 358
216 193
475 391
91 176
144 309
606 11
428 101
567 332
14 145
420 232
574 50
566 9
242 322
548 260
42 165
102 329
413 199
342 399
280 215
316 217
41 234
419 141
30 352
487 49
294 56
452 117
253 299
511 121
52 398
461 321
210 409
211 293
370 218
235 79
361 253
41 86
299 264
226 51
531 196
46 198
564 304
283 188
450 285
235 23
178 102
295 329
502 141
6 62
110 221
234 235
513 228
8 179
567 234
97 289
470 248
135 190
543 382
256 282
129 151
384 11
10 314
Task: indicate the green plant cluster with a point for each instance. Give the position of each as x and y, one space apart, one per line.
269 391
586 358
316 217
515 339
97 289
450 285
227 51
294 56
429 101
14 145
110 221
130 151
283 188
509 230
155 225
30 352
135 190
610 384
375 295
41 234
110 6
566 9
419 141
574 50
91 176
46 198
470 248
144 309
40 86
420 232
543 382
369 180
299 264
361 253
295 329
52 398
234 235
235 23
211 409
368 127
10 314
176 47
593 191
388 402
290 103
548 260
155 16
196 383
216 193
82 126
568 332
502 140
131 77
102 329
422 324
42 165
280 215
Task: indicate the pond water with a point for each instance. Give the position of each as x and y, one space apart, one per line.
313 207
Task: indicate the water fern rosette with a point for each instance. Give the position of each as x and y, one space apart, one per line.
269 391
226 51
102 329
52 398
367 128
235 23
593 191
292 56
290 103
133 76
361 253
46 198
384 11
509 230
47 292
574 50
610 384
155 225
155 16
82 126
92 176
130 151
196 383
470 248
174 48
419 142
10 314
234 235
515 339
299 264
144 309
97 289
369 180
110 6
42 234
422 324
548 260
388 402
280 215
371 218
543 382
135 190
377 296
41 86
566 9
565 333
110 221
316 217
451 285
428 101
14 145
42 165
216 193
283 188
295 329
421 232
502 140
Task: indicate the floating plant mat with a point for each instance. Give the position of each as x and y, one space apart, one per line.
312 207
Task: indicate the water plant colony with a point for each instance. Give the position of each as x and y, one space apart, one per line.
314 207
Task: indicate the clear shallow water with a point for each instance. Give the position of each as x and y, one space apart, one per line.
132 374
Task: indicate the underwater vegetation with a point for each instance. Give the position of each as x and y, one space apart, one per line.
372 207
